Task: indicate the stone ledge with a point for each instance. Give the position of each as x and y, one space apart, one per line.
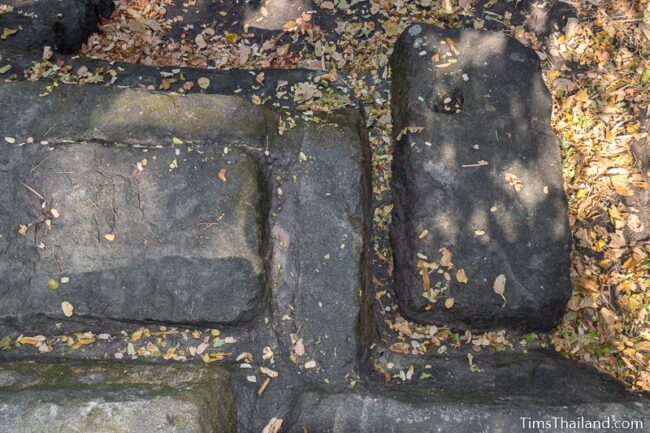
127 116
103 398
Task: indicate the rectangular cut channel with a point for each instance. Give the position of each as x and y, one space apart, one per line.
130 234
478 177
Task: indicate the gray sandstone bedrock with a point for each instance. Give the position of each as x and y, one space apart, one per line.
483 176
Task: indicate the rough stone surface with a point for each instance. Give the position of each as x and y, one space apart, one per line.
540 385
290 253
409 413
485 181
319 265
128 116
186 245
104 398
63 25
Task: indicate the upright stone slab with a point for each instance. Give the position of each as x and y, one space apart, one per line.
105 398
477 172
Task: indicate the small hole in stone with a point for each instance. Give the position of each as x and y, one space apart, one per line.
449 103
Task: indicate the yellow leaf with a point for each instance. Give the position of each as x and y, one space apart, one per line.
231 37
109 236
643 346
582 96
22 230
52 284
203 82
6 32
176 140
391 28
461 276
619 182
423 234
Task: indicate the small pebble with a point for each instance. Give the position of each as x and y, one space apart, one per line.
415 30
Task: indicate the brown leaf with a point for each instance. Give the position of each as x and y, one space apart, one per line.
446 258
222 175
426 281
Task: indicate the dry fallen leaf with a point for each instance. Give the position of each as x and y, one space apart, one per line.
52 284
109 236
67 308
513 181
273 426
270 373
222 175
423 234
446 258
449 302
200 41
500 286
203 82
461 276
299 347
619 182
426 280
